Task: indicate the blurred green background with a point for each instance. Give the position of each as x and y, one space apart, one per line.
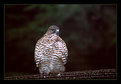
89 31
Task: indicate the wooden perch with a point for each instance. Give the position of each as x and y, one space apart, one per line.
75 75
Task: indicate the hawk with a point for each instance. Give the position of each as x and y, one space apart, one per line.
51 52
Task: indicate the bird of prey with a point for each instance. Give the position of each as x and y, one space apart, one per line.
51 52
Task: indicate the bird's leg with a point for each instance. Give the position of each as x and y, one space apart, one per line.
59 74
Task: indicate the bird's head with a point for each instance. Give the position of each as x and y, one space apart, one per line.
53 30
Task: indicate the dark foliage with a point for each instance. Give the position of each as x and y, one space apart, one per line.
89 31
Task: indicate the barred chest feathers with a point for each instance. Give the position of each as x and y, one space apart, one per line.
51 52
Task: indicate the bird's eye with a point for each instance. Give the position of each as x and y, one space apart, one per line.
52 29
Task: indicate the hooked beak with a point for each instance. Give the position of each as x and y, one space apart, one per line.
57 31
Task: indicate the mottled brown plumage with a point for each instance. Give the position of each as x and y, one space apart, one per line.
51 52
